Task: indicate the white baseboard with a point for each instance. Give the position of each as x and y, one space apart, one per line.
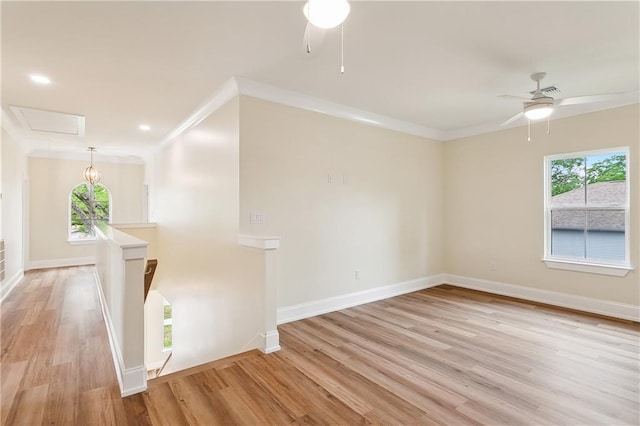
336 303
131 380
61 263
134 380
10 284
581 303
271 341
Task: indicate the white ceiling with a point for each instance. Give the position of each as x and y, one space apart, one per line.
436 64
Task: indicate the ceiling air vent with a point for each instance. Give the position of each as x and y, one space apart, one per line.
38 120
547 90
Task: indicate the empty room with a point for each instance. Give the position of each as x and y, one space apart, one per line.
325 212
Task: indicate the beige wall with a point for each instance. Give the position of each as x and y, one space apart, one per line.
385 221
14 170
213 284
50 183
494 203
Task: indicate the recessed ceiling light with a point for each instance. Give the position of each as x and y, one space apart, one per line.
144 127
40 79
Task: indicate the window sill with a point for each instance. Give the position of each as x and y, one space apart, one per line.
591 268
81 242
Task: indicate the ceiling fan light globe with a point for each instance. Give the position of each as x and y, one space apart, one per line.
537 112
326 13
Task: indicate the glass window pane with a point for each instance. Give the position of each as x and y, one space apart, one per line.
168 337
568 181
568 243
568 219
88 207
606 235
605 220
568 233
606 178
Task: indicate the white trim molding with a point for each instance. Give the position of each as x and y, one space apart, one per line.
567 265
61 263
131 380
300 100
134 225
580 303
116 352
227 91
237 85
263 243
336 303
270 341
10 284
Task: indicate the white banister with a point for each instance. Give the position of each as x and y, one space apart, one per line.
120 262
269 245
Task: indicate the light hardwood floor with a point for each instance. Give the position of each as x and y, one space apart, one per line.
438 356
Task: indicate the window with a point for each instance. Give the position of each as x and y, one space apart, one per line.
167 327
587 211
88 206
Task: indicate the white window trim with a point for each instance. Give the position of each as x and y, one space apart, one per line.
84 240
618 269
593 268
80 242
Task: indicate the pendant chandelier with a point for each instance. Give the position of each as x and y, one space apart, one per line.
91 174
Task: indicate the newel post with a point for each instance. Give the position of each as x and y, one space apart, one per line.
269 246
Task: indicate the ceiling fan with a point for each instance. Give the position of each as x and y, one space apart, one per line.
541 104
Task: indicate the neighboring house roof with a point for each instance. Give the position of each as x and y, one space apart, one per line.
603 193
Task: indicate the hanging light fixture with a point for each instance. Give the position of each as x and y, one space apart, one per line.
539 109
91 174
326 13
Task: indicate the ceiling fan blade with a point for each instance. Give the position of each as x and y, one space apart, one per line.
578 100
519 98
313 37
512 119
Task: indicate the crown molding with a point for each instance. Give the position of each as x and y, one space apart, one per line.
299 100
83 156
243 86
221 96
13 129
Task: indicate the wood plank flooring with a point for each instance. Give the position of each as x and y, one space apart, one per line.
438 356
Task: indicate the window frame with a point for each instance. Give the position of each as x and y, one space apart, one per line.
614 268
84 240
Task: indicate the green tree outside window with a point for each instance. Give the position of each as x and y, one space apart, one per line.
571 173
90 205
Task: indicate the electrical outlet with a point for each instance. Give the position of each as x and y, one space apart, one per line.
493 265
256 217
356 274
